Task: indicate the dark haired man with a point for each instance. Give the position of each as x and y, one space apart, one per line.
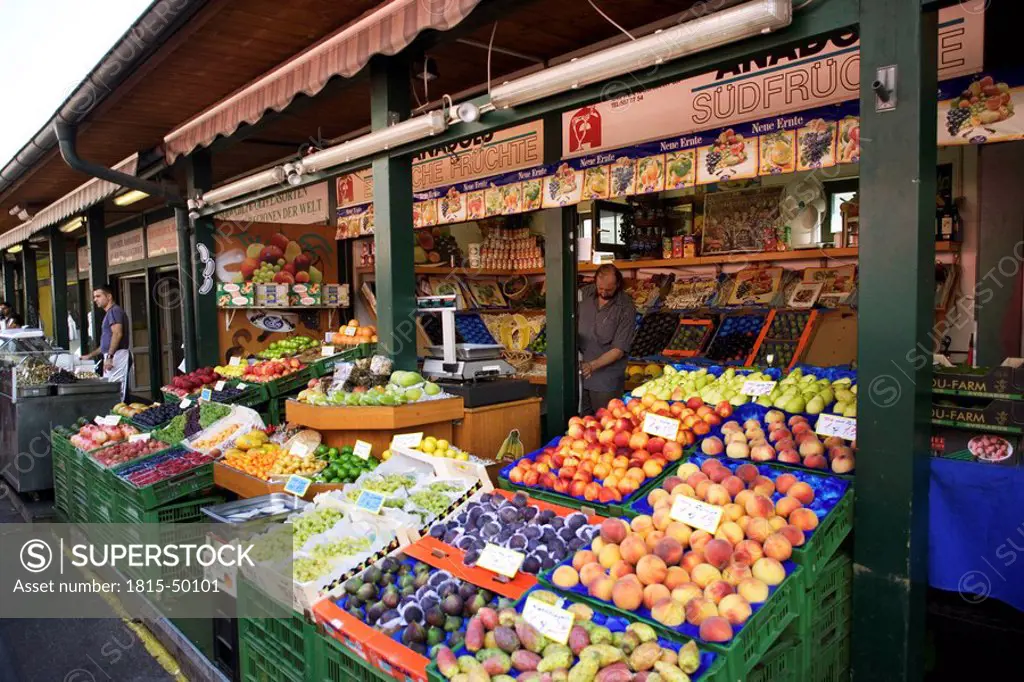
113 339
607 319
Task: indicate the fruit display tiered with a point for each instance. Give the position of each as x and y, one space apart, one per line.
654 333
783 337
689 338
735 339
271 370
93 436
188 384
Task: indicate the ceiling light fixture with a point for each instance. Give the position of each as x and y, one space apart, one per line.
130 197
15 249
293 172
707 32
406 132
72 225
251 183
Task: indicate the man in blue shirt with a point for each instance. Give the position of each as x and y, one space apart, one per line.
113 339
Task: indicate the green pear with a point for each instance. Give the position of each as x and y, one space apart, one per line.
796 405
839 407
764 401
844 395
738 399
781 402
844 381
851 410
827 396
815 405
853 389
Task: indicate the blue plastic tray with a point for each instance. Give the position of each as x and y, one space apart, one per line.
473 329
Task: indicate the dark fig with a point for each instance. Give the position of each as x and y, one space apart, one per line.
375 611
388 565
372 574
352 585
467 590
356 613
419 647
414 632
474 605
452 605
408 591
390 615
456 639
391 597
413 614
435 616
421 579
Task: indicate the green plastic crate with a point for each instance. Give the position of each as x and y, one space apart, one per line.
332 662
289 384
832 664
824 631
62 498
257 664
827 538
832 587
190 511
102 503
781 664
253 395
168 490
289 639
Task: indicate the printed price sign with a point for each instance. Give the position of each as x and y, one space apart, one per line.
136 437
551 621
362 449
326 351
665 427
241 387
697 514
235 362
407 440
350 331
206 394
835 425
370 501
108 420
297 485
185 404
756 388
219 386
502 561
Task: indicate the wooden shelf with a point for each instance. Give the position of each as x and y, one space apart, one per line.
535 379
476 272
726 259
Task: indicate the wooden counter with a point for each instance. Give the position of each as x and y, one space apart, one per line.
483 429
244 485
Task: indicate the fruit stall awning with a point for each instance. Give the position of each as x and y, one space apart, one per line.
75 201
387 30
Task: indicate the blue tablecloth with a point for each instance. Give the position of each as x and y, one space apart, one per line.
976 531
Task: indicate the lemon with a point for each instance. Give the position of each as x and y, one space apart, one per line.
385 456
462 457
442 444
428 447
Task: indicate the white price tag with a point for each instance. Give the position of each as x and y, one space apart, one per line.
108 420
551 621
326 351
835 425
755 388
219 386
350 331
697 514
240 386
185 404
502 561
136 437
407 440
234 362
664 427
297 485
362 449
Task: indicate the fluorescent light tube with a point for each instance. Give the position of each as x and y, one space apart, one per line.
15 249
129 197
71 225
246 185
397 135
707 32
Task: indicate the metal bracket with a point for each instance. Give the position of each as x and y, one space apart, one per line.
884 88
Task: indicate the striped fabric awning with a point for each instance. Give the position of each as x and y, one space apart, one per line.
72 203
386 30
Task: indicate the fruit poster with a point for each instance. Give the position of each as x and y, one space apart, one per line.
745 221
837 284
756 286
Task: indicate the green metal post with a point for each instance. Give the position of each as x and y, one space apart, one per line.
97 239
31 284
203 279
560 302
9 293
897 252
59 286
185 287
392 205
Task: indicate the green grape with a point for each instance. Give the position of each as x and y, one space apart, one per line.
273 546
305 569
308 525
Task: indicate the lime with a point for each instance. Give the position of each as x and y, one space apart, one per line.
332 452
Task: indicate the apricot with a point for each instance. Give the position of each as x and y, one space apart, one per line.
776 522
602 588
758 529
734 608
699 539
627 594
676 577
702 488
591 572
655 496
686 470
753 590
652 539
680 532
717 589
787 504
668 612
737 450
736 572
768 571
705 574
695 478
731 532
582 558
759 505
802 491
620 569
614 530
742 497
793 534
717 495
684 593
732 512
699 609
642 524
662 519
669 550
566 577
804 519
691 560
609 555
651 569
784 482
655 593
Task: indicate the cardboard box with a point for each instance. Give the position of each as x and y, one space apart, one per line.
272 295
1005 382
986 447
231 295
1002 416
335 295
305 295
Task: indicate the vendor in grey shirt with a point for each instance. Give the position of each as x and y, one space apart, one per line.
607 319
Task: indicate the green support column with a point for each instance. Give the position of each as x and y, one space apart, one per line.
560 301
202 282
392 205
96 234
185 288
28 268
8 293
897 252
59 286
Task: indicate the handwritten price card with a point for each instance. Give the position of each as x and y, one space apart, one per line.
697 514
757 388
551 621
663 427
502 561
835 425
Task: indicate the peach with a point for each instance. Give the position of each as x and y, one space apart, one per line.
699 539
633 549
566 577
684 593
602 588
655 593
699 609
668 612
751 548
732 512
751 424
804 519
733 485
717 552
662 519
657 495
734 608
731 532
731 425
802 491
768 570
709 466
759 505
614 530
597 544
680 532
620 569
811 446
609 555
774 416
735 573
719 474
627 594
718 495
705 574
591 572
695 478
717 589
778 547
743 521
758 529
787 504
669 550
742 497
671 482
702 489
763 485
686 490
784 482
582 558
843 465
789 456
641 524
691 560
736 450
776 522
753 590
816 462
651 569
652 539
715 629
793 534
686 470
676 577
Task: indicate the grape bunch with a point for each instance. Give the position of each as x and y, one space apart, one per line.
192 425
815 144
621 177
955 119
712 160
62 376
553 185
157 415
265 273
